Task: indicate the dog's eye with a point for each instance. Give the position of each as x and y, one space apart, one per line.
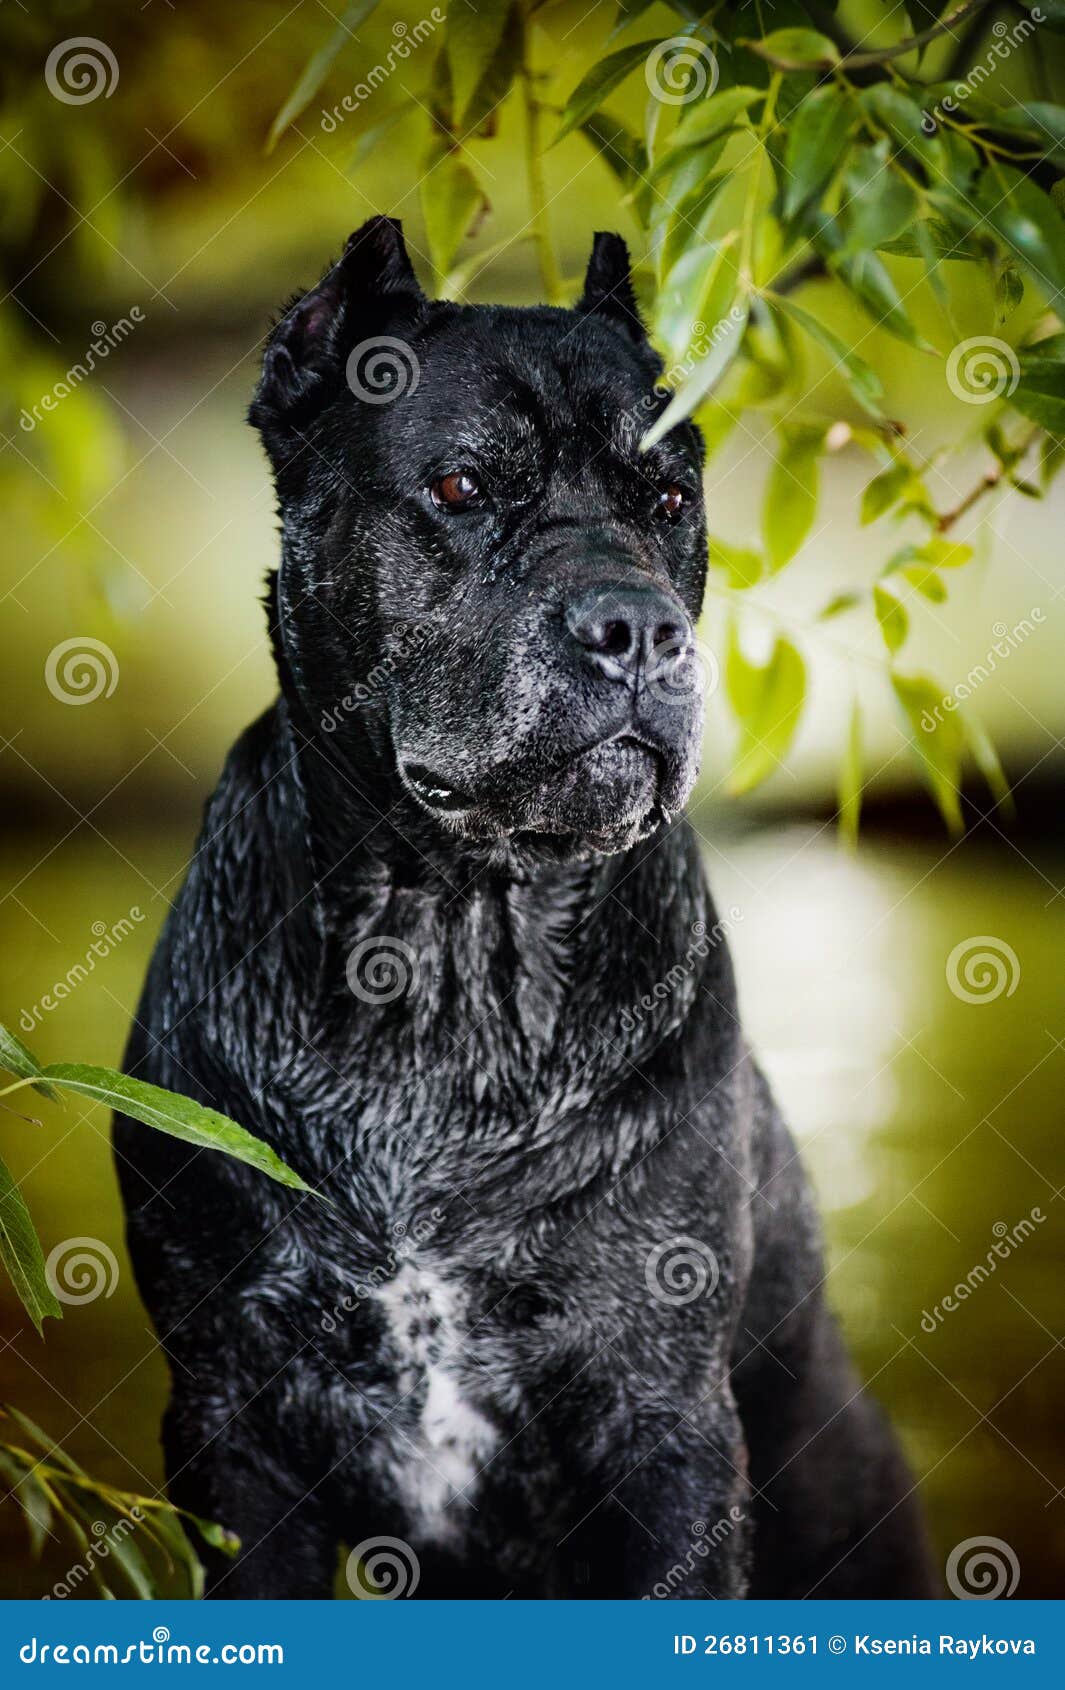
459 491
671 500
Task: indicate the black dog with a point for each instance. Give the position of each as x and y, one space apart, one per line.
559 1332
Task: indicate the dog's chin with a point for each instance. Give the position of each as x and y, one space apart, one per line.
602 801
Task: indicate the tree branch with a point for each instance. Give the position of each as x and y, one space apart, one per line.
945 26
987 483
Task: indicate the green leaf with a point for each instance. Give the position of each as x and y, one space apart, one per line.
1040 393
171 1113
318 67
41 1441
850 780
21 1253
685 231
885 490
987 761
1051 458
743 566
18 1059
879 203
838 605
945 554
30 1495
795 49
902 118
937 238
600 81
696 295
816 139
1028 221
1009 291
866 276
923 579
767 701
497 79
453 204
620 150
790 502
706 122
726 340
936 740
892 616
861 378
473 37
371 137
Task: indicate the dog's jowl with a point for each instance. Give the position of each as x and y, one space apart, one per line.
556 1314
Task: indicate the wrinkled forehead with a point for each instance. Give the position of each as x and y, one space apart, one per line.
507 381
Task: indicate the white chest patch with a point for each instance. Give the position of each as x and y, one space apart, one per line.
435 1470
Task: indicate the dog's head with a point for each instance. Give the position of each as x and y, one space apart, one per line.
483 576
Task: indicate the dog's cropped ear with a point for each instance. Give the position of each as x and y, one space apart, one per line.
371 284
608 285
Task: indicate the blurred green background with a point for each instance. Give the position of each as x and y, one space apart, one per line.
139 514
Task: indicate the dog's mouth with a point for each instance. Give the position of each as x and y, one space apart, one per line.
438 793
610 792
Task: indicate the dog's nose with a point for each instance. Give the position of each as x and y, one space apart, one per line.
622 628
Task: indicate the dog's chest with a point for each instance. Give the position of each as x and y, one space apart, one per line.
442 1439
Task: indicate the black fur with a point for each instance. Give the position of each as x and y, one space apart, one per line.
444 946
